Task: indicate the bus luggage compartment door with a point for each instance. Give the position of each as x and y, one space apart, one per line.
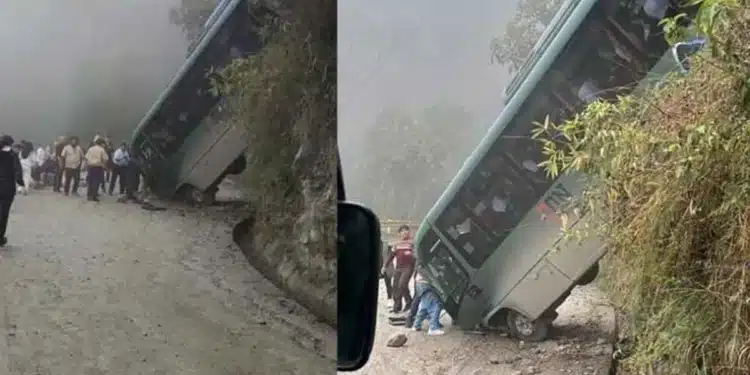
574 257
537 290
222 153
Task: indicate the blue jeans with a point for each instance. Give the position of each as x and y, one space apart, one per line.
419 290
429 308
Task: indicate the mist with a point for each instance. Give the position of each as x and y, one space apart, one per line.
75 67
406 57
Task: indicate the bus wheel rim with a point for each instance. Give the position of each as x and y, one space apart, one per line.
523 325
197 196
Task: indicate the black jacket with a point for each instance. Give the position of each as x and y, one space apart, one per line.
11 174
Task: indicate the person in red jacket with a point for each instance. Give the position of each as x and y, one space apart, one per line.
403 252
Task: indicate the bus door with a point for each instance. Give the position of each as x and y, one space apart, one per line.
447 274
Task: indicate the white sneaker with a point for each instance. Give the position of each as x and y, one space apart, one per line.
435 332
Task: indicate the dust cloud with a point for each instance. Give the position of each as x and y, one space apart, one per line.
416 92
77 67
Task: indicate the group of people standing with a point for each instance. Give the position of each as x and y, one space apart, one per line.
24 167
397 275
102 163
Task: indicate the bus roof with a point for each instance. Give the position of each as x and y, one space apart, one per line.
526 85
557 22
227 6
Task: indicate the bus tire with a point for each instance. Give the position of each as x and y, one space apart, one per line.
590 275
195 197
525 329
238 165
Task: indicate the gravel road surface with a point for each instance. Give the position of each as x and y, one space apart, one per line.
109 288
580 344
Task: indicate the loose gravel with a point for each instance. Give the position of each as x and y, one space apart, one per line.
110 288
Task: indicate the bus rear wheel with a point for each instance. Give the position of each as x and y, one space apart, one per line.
238 165
526 329
590 275
196 197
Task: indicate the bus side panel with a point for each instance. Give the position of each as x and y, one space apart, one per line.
495 283
200 141
574 257
537 290
511 263
216 160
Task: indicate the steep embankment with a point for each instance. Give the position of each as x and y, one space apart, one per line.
288 94
670 188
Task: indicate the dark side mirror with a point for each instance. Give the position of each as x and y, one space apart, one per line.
358 267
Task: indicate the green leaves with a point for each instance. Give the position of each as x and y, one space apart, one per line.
669 192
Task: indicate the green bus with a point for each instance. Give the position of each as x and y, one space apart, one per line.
487 244
186 144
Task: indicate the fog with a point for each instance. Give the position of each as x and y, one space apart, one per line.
66 64
412 55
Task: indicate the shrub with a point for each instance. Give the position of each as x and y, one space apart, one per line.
669 188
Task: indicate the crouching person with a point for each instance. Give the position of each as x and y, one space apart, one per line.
429 307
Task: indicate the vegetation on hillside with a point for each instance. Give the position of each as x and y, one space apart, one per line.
286 97
669 190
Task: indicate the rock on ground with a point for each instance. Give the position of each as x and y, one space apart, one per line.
397 340
110 288
580 344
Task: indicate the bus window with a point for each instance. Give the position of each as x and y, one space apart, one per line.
429 239
450 274
459 224
478 183
613 64
506 204
519 150
526 156
588 91
486 216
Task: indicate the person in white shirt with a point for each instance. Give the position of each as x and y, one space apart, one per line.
41 156
28 160
38 168
121 161
72 159
96 160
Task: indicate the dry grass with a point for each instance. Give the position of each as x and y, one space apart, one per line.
670 187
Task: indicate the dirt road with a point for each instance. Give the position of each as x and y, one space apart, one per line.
580 344
110 288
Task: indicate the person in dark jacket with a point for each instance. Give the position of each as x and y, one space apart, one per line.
11 176
387 275
59 163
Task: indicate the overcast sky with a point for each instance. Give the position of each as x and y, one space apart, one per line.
48 46
414 54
